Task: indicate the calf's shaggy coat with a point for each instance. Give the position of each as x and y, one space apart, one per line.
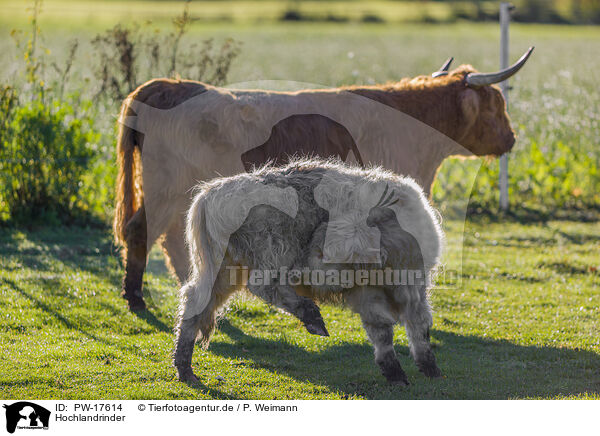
297 217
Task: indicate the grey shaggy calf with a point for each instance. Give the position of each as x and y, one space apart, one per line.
314 216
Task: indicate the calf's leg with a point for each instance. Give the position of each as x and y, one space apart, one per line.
381 336
378 317
193 321
417 320
303 308
187 330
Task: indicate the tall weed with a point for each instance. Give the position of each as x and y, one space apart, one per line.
54 165
129 56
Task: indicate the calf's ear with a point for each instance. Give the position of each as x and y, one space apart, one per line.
469 104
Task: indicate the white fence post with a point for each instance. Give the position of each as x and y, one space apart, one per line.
505 9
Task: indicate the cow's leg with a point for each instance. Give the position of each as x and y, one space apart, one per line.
175 251
417 320
378 318
136 245
197 321
303 308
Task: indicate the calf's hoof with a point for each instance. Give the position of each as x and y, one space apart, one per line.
392 371
186 375
427 365
317 328
430 370
312 319
399 382
396 376
135 300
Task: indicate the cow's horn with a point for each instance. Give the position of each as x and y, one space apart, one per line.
443 71
482 79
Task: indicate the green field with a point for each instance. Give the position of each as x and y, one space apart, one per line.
554 101
524 322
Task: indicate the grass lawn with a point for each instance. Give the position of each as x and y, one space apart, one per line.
524 323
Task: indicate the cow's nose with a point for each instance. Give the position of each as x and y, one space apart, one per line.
510 142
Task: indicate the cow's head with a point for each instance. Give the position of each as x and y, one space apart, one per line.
484 122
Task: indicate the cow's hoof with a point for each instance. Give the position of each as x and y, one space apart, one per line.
186 375
136 305
135 301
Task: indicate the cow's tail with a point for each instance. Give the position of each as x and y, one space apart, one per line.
129 194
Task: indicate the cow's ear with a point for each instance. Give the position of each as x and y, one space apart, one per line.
469 104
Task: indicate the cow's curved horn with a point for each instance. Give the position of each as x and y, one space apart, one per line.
482 79
443 71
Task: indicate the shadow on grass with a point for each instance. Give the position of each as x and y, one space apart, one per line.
89 250
151 319
474 367
128 349
79 249
214 394
348 368
67 323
